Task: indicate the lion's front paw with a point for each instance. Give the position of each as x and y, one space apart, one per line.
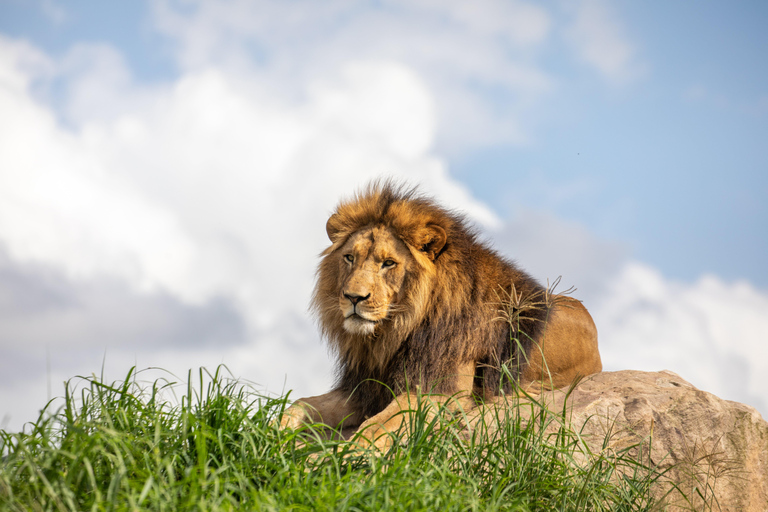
373 436
293 417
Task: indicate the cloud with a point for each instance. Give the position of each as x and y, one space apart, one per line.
549 248
711 332
181 225
287 357
36 301
600 40
184 186
462 52
54 328
202 33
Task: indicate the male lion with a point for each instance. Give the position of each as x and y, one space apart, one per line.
410 301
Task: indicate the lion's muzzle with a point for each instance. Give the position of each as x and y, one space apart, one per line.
356 319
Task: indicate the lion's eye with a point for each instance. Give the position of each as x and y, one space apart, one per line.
388 263
349 258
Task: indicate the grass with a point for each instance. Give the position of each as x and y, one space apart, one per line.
136 446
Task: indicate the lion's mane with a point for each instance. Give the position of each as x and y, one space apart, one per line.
450 310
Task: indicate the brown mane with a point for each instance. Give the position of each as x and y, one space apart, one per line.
449 312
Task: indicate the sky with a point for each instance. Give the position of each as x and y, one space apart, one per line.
167 168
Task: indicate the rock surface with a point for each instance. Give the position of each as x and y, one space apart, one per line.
715 451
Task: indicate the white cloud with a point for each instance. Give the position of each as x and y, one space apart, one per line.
176 195
205 32
461 52
209 188
59 202
550 248
518 23
361 107
600 40
713 333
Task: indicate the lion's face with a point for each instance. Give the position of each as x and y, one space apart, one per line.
373 267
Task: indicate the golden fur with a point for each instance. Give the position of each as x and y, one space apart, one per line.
410 301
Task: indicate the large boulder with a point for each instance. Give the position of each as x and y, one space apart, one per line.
715 451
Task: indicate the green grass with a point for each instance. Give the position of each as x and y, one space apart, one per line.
136 446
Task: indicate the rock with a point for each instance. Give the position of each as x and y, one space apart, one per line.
715 451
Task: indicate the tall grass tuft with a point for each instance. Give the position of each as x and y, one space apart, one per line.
136 446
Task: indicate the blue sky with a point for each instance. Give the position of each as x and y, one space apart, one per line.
620 144
674 164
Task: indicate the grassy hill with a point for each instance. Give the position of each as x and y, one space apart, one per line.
139 446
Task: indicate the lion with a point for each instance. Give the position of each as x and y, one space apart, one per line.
412 303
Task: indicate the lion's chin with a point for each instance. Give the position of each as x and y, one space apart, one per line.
357 325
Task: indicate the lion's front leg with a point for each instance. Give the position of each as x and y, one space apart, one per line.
377 431
333 409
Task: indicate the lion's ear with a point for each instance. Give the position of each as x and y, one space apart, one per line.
333 227
430 239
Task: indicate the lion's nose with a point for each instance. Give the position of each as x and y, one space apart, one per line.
355 299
